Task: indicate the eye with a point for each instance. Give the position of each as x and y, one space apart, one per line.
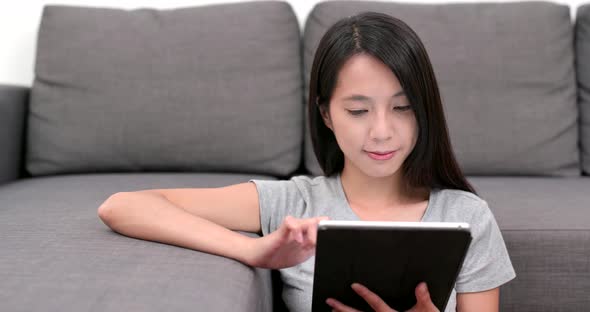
403 108
357 112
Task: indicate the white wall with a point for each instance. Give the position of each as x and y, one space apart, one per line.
19 21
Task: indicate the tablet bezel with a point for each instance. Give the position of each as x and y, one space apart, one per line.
458 228
325 224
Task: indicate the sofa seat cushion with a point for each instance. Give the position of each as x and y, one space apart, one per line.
57 253
537 203
546 226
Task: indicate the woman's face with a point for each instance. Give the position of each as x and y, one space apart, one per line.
369 113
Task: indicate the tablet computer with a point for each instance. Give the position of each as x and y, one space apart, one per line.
389 258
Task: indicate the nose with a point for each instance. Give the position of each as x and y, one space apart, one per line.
380 128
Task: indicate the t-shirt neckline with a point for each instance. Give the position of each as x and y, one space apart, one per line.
352 213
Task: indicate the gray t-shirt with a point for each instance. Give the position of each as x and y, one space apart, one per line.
486 266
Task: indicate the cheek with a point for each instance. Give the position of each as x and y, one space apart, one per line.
406 129
348 134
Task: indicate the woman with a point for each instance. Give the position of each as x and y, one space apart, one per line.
380 136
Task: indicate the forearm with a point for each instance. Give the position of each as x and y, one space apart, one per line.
488 301
152 217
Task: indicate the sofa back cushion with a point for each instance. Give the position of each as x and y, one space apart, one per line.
583 74
506 76
210 88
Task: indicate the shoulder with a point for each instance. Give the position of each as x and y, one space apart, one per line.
459 198
312 181
458 205
302 185
315 186
300 180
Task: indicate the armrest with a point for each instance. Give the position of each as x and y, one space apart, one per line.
14 102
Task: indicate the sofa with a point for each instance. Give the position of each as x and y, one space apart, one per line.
213 95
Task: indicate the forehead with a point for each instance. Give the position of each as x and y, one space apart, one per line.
367 75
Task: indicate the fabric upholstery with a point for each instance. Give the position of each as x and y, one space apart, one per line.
211 88
57 254
537 203
552 271
505 72
583 74
13 109
135 90
545 225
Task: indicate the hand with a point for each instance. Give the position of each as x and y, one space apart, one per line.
292 243
423 304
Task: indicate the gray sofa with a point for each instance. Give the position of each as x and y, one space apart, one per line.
215 95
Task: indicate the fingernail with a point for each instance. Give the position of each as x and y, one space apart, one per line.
357 287
423 287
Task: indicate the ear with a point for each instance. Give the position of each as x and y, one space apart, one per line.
326 116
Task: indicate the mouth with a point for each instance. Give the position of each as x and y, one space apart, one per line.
381 155
379 152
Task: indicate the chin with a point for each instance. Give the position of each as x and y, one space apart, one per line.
380 174
379 171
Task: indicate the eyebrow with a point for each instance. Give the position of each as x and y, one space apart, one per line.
364 98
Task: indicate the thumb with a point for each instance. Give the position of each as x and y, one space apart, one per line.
422 292
423 296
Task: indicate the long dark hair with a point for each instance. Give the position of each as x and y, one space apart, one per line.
431 163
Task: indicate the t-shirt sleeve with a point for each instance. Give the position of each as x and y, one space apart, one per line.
487 264
277 199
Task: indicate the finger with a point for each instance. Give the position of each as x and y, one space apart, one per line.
288 224
313 221
423 297
339 306
422 293
313 230
296 235
303 231
310 230
372 298
322 218
311 236
293 229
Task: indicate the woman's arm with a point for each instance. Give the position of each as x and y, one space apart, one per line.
204 220
483 301
199 219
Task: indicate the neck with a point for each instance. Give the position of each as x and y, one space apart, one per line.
366 191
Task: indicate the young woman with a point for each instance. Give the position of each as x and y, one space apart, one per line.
380 136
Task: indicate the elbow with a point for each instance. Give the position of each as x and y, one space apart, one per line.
107 211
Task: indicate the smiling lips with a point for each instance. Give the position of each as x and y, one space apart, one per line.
381 155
